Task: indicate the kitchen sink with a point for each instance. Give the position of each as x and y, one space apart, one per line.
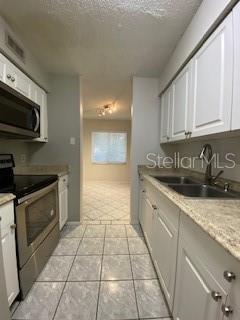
203 191
189 187
176 180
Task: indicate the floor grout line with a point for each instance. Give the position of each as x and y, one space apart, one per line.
99 288
134 288
68 275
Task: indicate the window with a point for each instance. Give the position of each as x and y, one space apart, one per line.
109 147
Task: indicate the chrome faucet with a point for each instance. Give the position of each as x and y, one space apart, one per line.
209 178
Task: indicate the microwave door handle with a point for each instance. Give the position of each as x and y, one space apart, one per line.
37 119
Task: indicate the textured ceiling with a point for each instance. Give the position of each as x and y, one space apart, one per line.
106 41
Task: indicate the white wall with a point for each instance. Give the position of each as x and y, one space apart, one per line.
207 15
145 130
64 107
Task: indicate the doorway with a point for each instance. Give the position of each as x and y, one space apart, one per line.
106 171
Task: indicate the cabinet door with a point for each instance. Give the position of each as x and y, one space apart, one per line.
10 262
236 79
18 80
212 82
180 104
235 310
39 96
2 68
233 299
63 207
147 218
194 288
165 239
142 191
165 116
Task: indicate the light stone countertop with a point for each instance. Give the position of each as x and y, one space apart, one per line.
6 197
219 218
59 170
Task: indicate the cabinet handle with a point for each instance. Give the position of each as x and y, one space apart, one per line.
9 76
227 310
168 138
188 134
154 207
141 179
216 295
13 79
13 226
144 191
229 276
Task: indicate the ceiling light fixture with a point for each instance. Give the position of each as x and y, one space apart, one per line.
107 109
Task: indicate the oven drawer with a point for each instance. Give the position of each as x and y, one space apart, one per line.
7 214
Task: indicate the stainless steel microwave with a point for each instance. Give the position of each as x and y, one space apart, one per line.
19 116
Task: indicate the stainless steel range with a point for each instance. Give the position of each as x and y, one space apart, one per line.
36 218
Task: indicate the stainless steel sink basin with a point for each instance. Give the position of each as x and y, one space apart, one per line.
176 180
203 191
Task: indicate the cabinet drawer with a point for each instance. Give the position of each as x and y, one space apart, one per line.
63 183
164 205
7 214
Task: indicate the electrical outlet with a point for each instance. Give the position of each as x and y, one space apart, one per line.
72 140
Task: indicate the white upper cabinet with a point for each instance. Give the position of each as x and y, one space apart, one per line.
39 96
212 83
165 116
180 104
2 68
236 83
18 80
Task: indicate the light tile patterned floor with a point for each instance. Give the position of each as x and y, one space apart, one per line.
106 202
97 272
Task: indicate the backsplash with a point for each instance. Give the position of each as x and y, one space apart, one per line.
221 147
19 149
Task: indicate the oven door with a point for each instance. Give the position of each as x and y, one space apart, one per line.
36 216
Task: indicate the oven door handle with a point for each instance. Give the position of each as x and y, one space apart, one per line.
38 193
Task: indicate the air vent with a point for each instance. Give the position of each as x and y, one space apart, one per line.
14 47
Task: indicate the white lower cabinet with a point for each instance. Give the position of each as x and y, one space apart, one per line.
203 291
165 241
198 295
9 250
147 220
63 200
199 278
